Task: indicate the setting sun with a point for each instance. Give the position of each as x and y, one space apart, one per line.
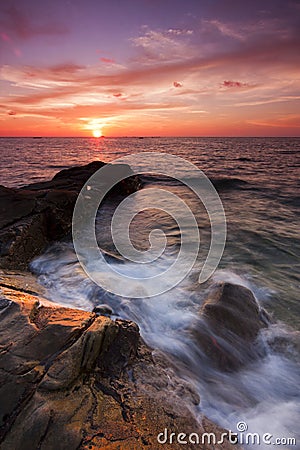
97 133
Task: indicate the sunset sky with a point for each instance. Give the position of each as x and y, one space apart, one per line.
150 67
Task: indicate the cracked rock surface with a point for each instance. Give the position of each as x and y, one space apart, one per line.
70 379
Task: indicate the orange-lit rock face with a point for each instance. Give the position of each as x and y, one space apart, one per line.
70 379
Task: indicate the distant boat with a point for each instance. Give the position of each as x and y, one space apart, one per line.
141 137
37 137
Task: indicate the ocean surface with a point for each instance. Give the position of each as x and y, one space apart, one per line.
258 183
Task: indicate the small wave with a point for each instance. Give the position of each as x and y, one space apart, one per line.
289 152
224 183
244 158
229 183
56 166
291 200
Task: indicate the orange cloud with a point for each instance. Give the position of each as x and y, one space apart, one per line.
107 60
62 98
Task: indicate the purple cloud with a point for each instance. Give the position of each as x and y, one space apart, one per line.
19 25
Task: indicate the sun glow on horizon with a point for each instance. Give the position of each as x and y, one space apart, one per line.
97 133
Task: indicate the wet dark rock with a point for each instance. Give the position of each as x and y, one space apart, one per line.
23 240
72 380
14 205
4 303
229 323
37 214
103 310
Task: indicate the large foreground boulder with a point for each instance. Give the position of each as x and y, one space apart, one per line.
38 214
72 380
228 326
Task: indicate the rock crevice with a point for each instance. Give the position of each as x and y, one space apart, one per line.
72 379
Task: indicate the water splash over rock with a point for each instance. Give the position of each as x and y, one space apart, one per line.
229 323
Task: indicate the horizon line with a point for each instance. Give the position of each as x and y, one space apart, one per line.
147 137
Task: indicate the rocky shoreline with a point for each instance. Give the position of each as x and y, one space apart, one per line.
35 215
72 379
